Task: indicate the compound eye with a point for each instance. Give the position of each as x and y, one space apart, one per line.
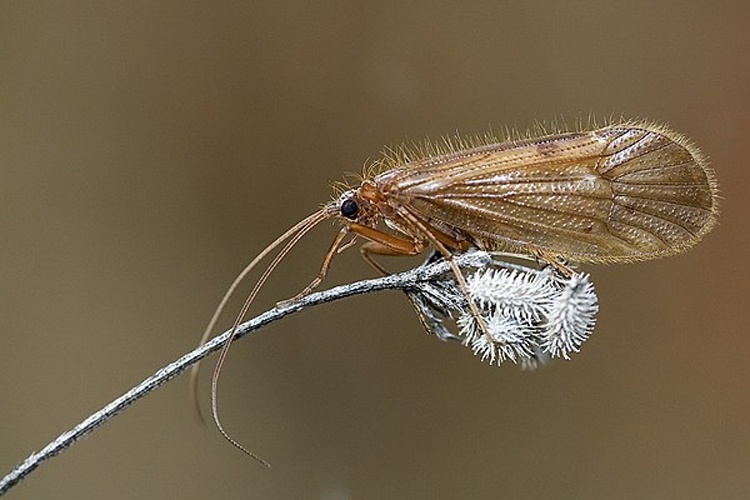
349 209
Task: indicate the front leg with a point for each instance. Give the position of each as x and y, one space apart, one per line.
332 250
367 250
381 243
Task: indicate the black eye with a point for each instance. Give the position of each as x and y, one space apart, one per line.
349 209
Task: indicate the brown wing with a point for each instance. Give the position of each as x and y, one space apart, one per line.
617 194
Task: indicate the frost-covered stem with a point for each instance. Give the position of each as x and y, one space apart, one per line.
408 280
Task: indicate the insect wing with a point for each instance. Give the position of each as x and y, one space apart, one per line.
617 194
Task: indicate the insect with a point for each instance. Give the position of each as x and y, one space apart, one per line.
622 193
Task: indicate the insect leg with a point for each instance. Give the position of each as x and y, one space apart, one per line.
368 249
554 261
388 244
436 238
381 243
332 250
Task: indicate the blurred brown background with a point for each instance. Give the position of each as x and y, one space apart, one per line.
149 149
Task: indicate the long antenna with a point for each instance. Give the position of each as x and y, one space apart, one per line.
195 370
296 233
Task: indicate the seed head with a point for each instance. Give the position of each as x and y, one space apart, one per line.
530 315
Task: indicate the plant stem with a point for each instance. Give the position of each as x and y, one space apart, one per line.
408 281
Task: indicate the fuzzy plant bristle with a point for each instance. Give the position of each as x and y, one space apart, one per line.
528 315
